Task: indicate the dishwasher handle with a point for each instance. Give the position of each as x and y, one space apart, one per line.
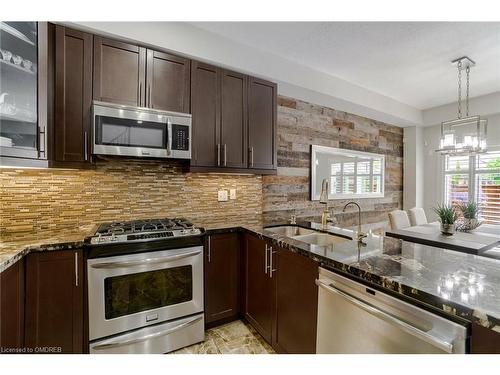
388 318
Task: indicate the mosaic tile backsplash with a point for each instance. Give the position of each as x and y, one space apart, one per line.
35 201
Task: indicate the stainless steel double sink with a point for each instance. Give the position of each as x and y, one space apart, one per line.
309 236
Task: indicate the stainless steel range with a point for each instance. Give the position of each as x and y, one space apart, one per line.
145 286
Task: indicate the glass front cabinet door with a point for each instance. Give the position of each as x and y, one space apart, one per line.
23 93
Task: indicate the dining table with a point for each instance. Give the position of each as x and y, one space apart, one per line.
484 240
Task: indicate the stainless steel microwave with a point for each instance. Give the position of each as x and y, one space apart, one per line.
140 132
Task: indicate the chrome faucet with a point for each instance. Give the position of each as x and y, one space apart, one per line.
360 234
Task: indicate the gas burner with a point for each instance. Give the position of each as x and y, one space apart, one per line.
149 227
116 230
144 230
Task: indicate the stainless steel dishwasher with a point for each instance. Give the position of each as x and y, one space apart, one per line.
355 319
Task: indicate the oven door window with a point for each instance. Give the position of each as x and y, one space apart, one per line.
130 133
133 293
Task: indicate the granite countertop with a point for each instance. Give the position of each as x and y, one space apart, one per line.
13 250
463 285
458 284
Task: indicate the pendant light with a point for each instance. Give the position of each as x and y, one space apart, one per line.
463 135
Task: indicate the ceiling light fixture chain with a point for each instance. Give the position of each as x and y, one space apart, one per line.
459 65
467 92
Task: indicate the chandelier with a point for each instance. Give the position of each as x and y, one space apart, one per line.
463 135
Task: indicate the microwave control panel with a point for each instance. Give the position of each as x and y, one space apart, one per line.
180 137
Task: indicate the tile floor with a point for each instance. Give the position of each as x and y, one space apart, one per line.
236 337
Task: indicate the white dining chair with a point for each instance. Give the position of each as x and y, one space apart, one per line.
417 216
399 219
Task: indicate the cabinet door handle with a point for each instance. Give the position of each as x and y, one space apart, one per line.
209 249
225 155
76 269
218 154
251 157
85 146
271 269
42 137
265 261
139 99
149 97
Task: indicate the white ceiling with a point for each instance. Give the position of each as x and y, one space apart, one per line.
406 61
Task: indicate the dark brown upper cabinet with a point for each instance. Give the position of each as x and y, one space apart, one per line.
233 133
55 300
221 278
168 79
133 75
24 121
205 108
119 72
234 121
72 97
262 124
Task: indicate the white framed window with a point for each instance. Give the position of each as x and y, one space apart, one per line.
351 174
475 178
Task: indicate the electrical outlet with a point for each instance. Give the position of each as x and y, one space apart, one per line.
232 193
222 195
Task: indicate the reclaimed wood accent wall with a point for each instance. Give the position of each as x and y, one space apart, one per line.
301 124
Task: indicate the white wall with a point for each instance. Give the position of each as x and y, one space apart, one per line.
433 162
413 166
485 105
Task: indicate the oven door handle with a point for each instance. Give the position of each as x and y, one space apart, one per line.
115 344
147 261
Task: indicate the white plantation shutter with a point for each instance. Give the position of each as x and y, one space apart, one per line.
488 186
362 176
477 177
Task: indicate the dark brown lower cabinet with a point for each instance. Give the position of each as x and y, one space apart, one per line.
12 306
221 278
281 297
484 340
296 305
54 301
258 305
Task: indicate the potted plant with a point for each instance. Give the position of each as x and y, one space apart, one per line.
470 213
447 216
